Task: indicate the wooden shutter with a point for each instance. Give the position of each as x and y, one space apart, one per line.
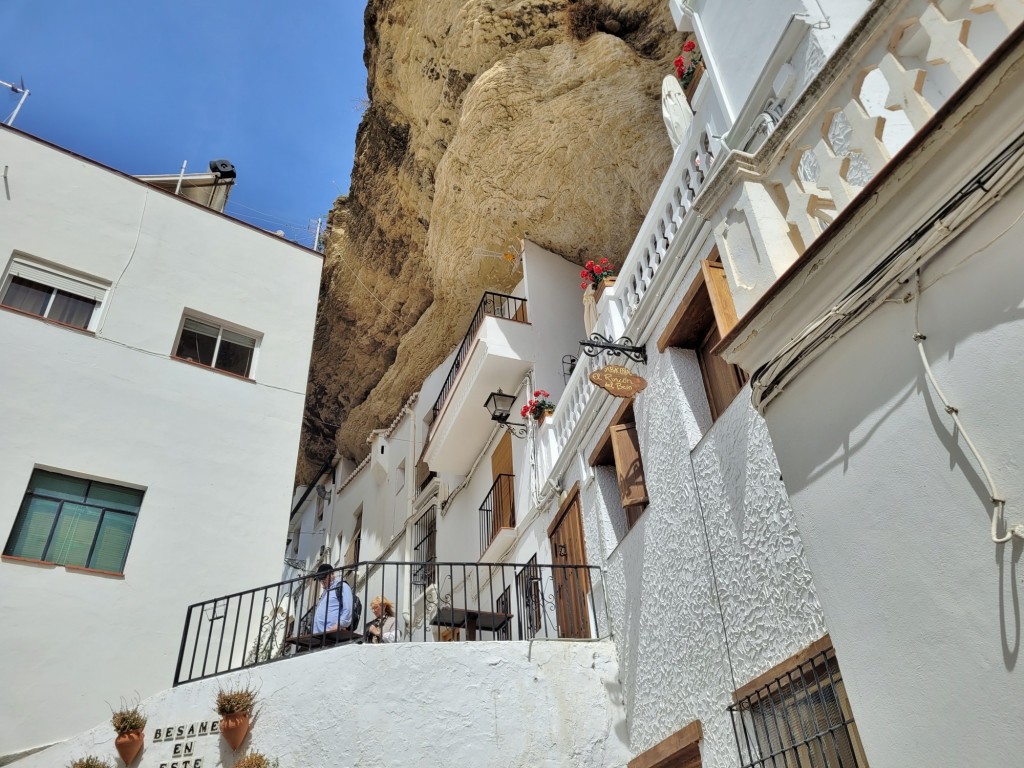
722 381
629 468
721 297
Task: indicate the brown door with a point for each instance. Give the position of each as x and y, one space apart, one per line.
572 585
504 497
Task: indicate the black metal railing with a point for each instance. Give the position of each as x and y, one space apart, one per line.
462 602
800 718
491 305
498 510
424 547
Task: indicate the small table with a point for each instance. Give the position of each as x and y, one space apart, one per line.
471 619
322 639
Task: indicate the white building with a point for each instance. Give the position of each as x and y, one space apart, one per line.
885 357
156 361
819 159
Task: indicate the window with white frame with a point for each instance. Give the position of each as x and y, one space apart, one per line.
49 293
73 521
209 343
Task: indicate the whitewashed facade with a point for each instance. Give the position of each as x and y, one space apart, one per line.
95 392
885 357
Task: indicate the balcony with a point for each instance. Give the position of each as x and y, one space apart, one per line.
457 601
498 518
496 353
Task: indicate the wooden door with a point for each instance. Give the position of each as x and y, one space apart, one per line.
571 585
504 496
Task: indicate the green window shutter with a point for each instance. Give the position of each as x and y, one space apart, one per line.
114 497
28 539
73 536
58 486
112 542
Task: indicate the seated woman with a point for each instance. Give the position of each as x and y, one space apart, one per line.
384 627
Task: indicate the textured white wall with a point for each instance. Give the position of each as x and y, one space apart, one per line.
473 704
663 600
216 455
924 610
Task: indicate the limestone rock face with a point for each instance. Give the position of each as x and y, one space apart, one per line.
487 122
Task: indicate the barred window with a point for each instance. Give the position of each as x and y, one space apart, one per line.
528 588
799 718
424 549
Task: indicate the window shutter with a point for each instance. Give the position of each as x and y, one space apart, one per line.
73 536
629 468
112 543
28 539
56 280
720 295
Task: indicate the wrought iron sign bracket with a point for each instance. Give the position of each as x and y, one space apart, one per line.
516 429
597 344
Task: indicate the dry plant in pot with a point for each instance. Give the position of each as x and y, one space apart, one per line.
235 706
129 722
89 762
256 760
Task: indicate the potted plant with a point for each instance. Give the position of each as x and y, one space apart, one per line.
538 407
597 275
235 706
129 722
689 66
89 762
256 760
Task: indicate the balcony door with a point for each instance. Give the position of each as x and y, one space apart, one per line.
504 496
572 585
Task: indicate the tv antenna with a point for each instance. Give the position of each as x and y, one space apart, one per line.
16 89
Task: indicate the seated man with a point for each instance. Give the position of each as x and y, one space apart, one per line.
334 609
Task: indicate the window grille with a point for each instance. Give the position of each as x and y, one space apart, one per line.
425 548
528 587
800 719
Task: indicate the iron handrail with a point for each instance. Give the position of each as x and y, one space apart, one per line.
501 499
500 305
462 601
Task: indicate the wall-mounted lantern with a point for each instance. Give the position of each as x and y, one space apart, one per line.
499 405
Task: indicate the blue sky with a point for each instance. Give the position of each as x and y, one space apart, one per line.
142 85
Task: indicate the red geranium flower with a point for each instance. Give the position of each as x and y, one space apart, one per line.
689 46
584 285
598 270
679 62
584 273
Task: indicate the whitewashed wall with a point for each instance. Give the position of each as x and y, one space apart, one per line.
924 610
472 704
215 454
728 506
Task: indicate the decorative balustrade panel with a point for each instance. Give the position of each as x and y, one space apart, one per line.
431 602
917 58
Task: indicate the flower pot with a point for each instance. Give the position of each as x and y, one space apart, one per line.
540 419
234 727
608 282
129 744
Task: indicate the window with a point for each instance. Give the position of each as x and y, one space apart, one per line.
400 476
352 554
528 582
704 317
797 715
620 447
47 293
424 551
214 346
71 521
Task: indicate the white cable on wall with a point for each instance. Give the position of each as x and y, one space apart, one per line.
998 502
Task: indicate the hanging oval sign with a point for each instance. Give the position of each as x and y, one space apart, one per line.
618 380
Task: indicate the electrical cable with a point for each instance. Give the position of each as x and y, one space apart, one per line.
998 502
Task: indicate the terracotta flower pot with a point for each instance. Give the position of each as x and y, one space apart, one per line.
608 282
234 727
129 744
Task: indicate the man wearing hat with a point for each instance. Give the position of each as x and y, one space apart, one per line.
331 613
